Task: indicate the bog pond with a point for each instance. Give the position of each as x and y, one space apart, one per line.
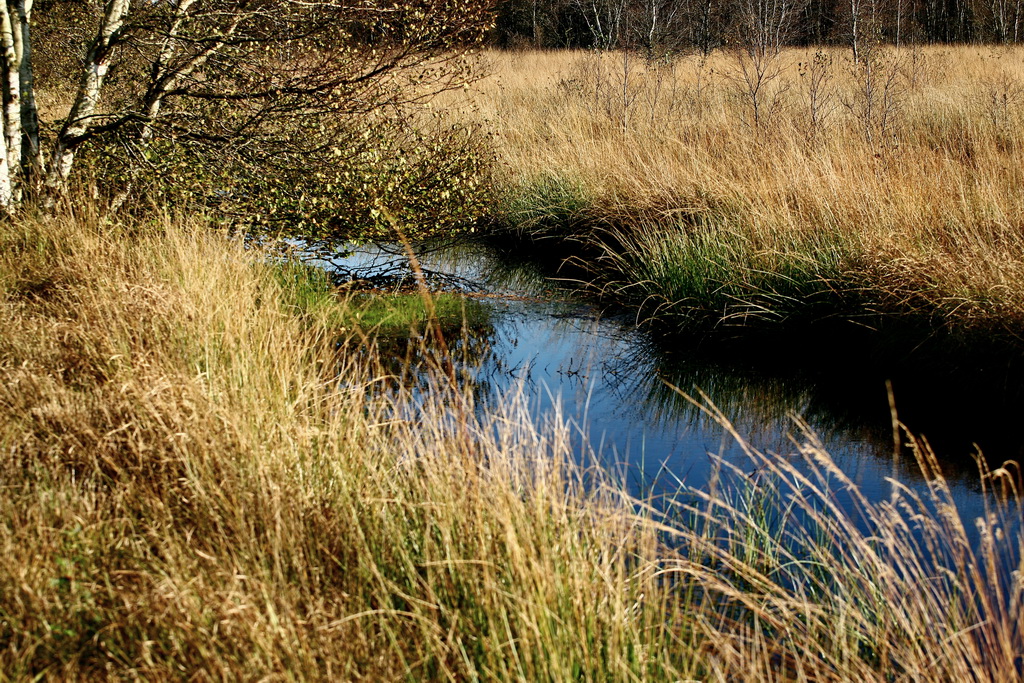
623 389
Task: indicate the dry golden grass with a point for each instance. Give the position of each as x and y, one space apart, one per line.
909 166
198 484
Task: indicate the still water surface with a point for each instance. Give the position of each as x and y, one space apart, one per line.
623 389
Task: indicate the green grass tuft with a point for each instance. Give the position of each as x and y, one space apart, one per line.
310 294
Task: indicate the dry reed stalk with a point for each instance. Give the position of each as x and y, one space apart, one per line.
914 167
198 484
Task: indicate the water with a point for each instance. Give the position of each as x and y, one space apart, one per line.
626 392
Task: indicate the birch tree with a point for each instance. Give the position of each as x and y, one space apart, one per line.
243 79
604 19
764 27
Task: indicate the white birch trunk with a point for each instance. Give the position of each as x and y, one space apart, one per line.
167 51
32 153
855 29
165 81
88 97
12 95
6 186
170 80
654 25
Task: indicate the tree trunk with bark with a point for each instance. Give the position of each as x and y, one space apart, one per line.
243 76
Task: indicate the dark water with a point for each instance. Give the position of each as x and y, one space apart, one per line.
626 391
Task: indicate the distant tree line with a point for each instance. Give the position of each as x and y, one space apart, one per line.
665 26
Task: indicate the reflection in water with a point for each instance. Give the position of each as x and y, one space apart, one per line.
626 390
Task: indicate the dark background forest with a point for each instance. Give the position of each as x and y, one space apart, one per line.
667 26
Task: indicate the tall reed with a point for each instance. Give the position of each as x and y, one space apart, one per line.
200 482
907 160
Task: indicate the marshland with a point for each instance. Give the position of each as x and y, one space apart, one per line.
338 343
873 190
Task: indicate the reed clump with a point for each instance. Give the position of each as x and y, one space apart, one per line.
891 181
201 483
